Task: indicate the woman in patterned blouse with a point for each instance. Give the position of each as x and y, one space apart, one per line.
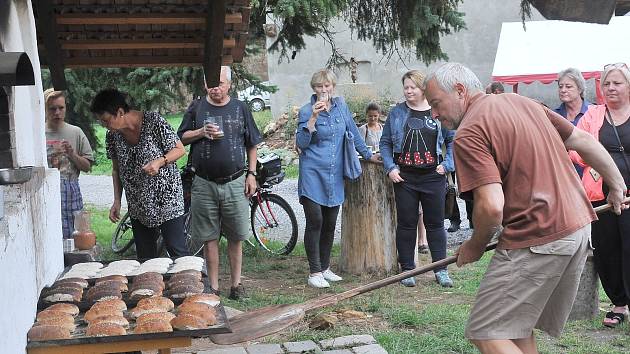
143 148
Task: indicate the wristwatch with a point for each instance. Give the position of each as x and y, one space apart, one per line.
253 173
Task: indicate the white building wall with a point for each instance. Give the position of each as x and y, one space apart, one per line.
475 47
31 253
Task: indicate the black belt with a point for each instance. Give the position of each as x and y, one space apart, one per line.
223 180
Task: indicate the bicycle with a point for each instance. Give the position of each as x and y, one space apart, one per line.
272 219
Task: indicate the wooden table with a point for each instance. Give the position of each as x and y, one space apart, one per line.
163 345
368 223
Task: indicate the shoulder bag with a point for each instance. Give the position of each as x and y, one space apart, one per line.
621 148
450 201
351 164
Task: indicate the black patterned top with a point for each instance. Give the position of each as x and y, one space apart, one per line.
152 200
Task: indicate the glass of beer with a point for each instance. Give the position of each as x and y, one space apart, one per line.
216 121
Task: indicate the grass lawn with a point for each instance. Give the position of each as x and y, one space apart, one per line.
424 319
103 165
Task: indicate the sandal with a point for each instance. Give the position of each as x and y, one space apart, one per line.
612 317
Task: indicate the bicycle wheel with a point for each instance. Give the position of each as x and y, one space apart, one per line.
274 224
123 236
194 246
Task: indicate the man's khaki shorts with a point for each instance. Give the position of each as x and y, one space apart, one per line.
529 288
219 207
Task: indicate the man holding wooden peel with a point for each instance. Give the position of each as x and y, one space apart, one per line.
511 156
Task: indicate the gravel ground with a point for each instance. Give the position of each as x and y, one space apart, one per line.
97 191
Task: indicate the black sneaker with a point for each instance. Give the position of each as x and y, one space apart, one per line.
454 227
237 292
208 289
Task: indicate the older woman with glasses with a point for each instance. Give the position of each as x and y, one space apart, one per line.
610 124
143 148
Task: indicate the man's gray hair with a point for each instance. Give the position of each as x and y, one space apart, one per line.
575 75
450 74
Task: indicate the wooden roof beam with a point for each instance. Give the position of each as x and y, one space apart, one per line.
144 19
176 43
213 49
48 30
138 61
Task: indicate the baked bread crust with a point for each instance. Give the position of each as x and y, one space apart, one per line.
208 299
57 321
183 291
105 329
80 281
119 320
156 301
47 332
62 316
153 326
186 322
117 304
120 278
95 313
101 294
160 316
70 309
194 307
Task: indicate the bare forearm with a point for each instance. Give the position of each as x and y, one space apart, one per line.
252 158
488 225
175 153
83 164
192 135
117 186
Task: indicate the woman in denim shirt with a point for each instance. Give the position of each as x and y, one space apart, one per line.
320 137
411 149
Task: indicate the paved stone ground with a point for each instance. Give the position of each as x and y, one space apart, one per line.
354 344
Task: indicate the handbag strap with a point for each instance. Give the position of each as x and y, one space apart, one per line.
621 148
189 162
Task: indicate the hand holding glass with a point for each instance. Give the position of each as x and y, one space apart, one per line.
215 123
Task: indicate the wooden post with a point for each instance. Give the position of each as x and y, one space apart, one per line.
368 223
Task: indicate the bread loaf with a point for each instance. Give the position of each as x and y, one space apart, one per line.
208 316
94 313
187 322
146 289
139 311
63 294
161 316
70 309
119 320
104 294
196 307
148 276
156 301
80 281
42 315
47 332
182 282
208 299
183 277
153 326
105 329
119 278
112 303
195 273
57 321
183 291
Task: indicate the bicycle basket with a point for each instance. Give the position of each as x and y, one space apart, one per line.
269 169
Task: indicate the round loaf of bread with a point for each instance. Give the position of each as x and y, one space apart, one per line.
148 284
95 313
116 284
70 326
124 262
160 316
70 309
63 294
139 311
181 267
184 276
153 326
87 265
105 329
160 261
182 282
183 291
116 304
189 259
119 320
47 332
75 275
148 276
207 315
186 322
156 301
119 278
80 281
196 307
208 299
104 294
42 315
196 273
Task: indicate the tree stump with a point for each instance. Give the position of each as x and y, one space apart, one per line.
368 223
586 304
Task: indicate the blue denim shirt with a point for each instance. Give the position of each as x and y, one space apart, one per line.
321 156
562 110
392 138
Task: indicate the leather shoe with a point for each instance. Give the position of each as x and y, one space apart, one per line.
454 226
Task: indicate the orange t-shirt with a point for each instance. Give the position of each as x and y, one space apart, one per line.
516 141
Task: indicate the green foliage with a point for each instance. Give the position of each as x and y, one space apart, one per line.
358 104
412 23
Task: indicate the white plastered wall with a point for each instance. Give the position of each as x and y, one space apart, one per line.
31 253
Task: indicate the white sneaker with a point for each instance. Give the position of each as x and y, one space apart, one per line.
330 276
318 281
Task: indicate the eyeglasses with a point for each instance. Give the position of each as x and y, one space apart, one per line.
616 66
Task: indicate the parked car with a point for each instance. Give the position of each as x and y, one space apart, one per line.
256 98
